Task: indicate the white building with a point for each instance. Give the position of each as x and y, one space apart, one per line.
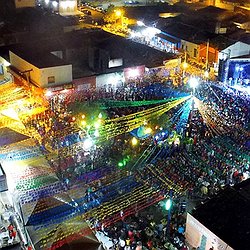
191 48
233 63
43 70
63 7
235 50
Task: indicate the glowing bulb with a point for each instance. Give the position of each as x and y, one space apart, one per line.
118 13
185 65
134 141
87 144
100 116
148 130
83 123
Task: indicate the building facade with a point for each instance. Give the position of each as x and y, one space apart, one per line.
42 76
63 7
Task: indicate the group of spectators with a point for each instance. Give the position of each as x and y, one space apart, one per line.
199 169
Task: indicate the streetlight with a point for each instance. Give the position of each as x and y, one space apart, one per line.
168 204
87 144
119 14
134 141
168 207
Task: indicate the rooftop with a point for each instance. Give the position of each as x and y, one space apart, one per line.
227 215
187 32
37 57
134 54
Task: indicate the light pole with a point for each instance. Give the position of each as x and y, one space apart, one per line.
168 207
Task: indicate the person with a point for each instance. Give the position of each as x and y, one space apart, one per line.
10 227
13 234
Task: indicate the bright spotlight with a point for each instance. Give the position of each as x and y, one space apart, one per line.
55 4
83 123
87 144
185 65
118 13
193 82
134 141
206 74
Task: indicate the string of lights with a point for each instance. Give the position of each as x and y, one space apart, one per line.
121 125
106 104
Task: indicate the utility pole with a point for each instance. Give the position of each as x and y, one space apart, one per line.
207 55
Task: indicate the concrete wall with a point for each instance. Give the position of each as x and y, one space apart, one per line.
62 74
237 49
22 65
85 83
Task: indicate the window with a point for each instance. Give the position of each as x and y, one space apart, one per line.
195 52
51 79
1 70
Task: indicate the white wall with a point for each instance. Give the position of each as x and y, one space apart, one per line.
23 65
237 49
62 74
189 47
25 3
195 231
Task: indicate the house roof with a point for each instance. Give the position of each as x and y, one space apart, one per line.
227 215
133 53
187 32
37 57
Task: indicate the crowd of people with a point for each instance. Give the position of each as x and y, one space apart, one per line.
196 170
